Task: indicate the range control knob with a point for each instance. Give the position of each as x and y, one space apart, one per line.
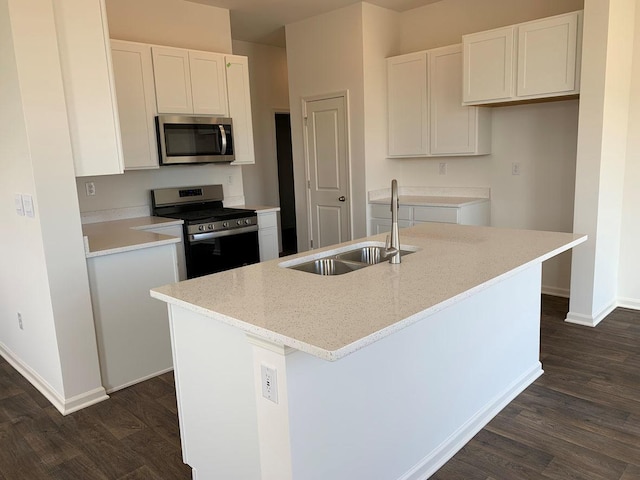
225 224
201 228
247 221
210 226
239 222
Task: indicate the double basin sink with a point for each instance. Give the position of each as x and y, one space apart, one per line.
345 260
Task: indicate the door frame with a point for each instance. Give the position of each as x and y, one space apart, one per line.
344 94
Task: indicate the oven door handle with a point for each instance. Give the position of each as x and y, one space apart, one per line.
201 237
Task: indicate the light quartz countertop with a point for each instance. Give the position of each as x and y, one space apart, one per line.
332 316
260 208
117 236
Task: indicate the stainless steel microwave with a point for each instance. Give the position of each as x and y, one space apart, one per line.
188 139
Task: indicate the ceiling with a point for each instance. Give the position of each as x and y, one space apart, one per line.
262 21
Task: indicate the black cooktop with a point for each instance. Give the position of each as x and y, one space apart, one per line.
209 215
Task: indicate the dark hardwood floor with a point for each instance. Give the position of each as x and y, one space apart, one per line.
580 420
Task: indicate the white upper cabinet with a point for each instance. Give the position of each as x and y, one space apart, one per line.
85 57
208 83
408 105
172 80
426 116
133 72
189 82
240 108
536 59
547 52
454 128
488 65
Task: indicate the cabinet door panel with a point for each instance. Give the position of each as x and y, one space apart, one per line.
435 214
173 80
133 72
85 58
208 83
408 105
488 65
239 94
453 126
547 56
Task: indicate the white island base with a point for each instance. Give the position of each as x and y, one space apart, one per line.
397 409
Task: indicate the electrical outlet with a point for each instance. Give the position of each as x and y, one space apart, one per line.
230 179
269 383
442 168
515 168
20 321
90 187
27 203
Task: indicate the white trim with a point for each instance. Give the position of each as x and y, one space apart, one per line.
64 405
555 291
139 380
442 454
588 320
632 303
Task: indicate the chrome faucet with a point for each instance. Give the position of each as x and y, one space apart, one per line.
395 236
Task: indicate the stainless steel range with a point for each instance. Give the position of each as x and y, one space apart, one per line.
215 238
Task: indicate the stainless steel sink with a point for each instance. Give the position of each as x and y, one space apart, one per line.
370 255
341 262
328 266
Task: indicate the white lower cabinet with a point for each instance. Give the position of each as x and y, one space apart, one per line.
132 329
268 236
410 215
174 231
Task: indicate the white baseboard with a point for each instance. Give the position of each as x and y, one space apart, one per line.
589 320
64 405
632 303
133 382
442 454
555 291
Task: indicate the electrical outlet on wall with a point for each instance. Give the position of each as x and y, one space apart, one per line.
515 168
90 187
442 168
20 321
269 383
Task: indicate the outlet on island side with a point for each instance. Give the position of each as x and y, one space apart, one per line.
269 383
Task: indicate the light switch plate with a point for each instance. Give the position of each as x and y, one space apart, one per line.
18 203
27 203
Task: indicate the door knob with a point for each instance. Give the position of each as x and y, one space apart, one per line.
342 198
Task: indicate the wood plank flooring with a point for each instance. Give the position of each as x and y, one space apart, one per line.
580 420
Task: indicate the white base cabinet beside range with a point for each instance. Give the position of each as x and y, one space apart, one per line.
268 235
132 329
173 231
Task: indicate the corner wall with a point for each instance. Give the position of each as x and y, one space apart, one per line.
602 148
44 273
629 280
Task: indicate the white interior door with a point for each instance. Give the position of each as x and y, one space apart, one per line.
328 165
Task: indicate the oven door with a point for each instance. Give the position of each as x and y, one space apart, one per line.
213 252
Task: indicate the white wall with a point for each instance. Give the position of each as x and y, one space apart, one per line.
324 56
269 94
629 279
43 272
166 22
178 23
602 142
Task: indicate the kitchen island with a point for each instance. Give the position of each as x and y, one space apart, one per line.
381 373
